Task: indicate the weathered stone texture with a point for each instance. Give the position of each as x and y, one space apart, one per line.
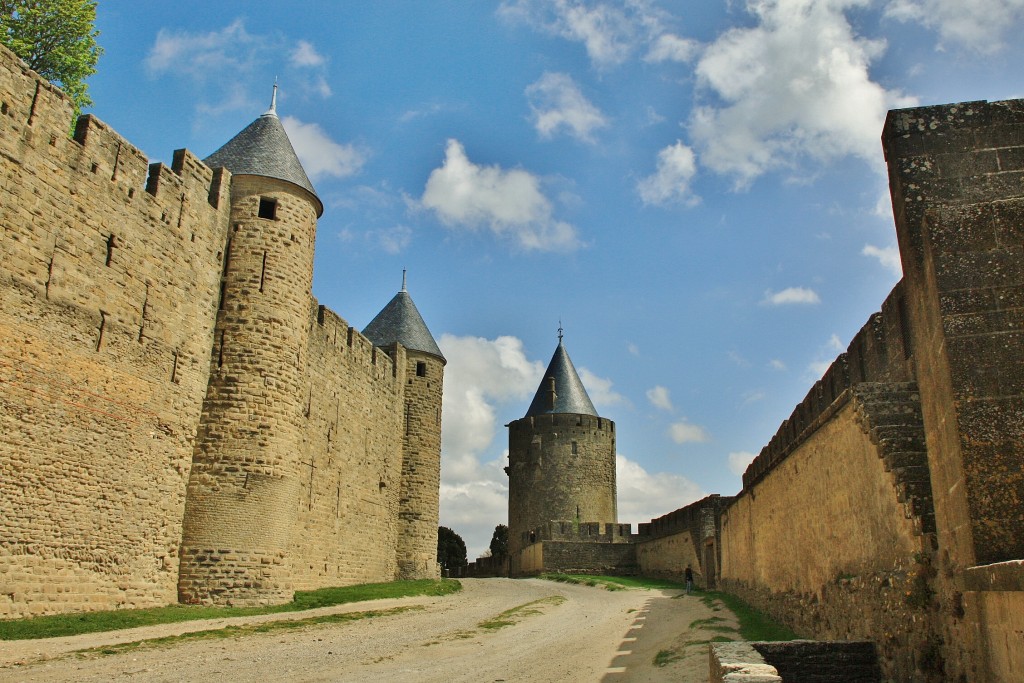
898 502
177 414
561 466
107 307
687 536
421 467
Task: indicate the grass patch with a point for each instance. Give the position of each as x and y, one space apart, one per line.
516 614
704 623
613 583
57 625
242 630
754 625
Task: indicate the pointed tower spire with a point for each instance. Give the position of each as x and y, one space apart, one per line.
561 390
263 149
273 102
400 321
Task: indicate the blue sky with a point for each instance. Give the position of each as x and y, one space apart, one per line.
695 191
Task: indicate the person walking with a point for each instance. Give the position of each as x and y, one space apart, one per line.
688 576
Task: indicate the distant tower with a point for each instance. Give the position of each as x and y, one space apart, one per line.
400 322
561 457
242 491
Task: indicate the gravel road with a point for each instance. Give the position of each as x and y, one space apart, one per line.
569 633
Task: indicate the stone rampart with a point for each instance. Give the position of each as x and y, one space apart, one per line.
685 537
122 292
107 308
879 507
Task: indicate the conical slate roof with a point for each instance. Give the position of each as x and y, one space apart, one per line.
570 396
401 322
263 149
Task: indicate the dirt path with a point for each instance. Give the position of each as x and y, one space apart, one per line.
570 633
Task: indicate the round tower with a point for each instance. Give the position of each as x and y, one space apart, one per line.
240 503
400 323
561 458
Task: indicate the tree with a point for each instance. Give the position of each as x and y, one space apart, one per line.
499 542
451 549
57 39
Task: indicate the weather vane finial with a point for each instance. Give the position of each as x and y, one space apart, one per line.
273 100
403 280
559 330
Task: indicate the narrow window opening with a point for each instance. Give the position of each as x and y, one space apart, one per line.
111 244
220 351
103 325
263 272
224 274
421 369
575 448
174 368
142 319
95 168
131 192
49 271
268 208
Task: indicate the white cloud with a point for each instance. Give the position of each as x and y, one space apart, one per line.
818 368
753 396
980 25
221 64
644 496
481 374
671 48
557 104
794 87
776 364
887 256
393 240
739 461
633 349
791 295
671 181
608 32
473 508
483 377
611 32
599 389
320 155
685 432
201 55
508 202
305 55
659 398
829 350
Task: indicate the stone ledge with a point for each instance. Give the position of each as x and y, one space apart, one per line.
1001 576
739 662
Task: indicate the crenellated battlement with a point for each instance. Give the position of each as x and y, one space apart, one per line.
588 532
162 359
880 352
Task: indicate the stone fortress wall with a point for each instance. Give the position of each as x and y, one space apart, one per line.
889 507
115 281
